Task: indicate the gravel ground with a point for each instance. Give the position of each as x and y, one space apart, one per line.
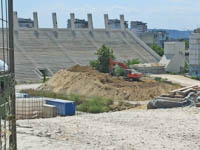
169 129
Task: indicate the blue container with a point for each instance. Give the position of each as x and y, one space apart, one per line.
64 108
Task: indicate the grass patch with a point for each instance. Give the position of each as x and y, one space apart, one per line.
96 105
159 79
194 78
84 104
172 73
165 80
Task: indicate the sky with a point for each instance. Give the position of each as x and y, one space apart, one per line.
159 14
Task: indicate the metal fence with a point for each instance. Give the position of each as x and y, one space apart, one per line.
7 78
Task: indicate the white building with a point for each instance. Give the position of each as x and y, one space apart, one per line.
25 23
79 23
115 24
138 27
194 54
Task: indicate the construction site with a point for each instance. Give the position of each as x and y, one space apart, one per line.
87 88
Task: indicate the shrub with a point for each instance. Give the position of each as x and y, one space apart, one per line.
159 50
77 98
95 105
159 79
118 71
95 109
195 78
103 56
83 107
132 62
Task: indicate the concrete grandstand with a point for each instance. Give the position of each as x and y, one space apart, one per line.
51 49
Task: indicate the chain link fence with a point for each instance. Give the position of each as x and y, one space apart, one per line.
7 78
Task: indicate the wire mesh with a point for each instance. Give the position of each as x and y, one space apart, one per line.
34 108
7 82
29 108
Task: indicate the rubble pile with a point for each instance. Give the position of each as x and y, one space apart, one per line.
187 96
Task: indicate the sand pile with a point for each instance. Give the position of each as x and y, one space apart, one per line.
83 80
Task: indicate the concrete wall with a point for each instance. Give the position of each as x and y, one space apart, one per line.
176 64
148 38
171 48
174 56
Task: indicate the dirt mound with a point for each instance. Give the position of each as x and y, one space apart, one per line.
83 80
78 68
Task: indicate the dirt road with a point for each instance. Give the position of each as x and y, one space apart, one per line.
184 81
177 129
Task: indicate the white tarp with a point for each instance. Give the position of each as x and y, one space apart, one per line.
3 66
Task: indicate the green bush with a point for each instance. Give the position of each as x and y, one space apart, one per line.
83 107
95 109
77 98
118 71
132 62
187 43
159 50
159 79
186 68
103 56
172 73
195 78
95 105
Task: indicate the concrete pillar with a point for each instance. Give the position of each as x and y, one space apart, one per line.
106 21
90 22
122 22
35 19
15 21
55 23
72 18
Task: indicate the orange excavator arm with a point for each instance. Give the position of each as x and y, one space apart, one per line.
130 76
112 63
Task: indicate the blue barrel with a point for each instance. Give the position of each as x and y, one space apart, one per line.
64 107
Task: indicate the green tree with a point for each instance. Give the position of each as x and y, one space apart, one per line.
103 56
44 75
159 50
186 43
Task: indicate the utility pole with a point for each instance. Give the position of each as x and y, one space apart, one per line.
13 136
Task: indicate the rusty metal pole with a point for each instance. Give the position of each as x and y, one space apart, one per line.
13 137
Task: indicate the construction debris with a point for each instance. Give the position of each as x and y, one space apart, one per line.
187 96
49 111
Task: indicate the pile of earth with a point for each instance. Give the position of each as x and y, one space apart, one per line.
83 80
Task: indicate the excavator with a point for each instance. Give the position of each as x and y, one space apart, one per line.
130 74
